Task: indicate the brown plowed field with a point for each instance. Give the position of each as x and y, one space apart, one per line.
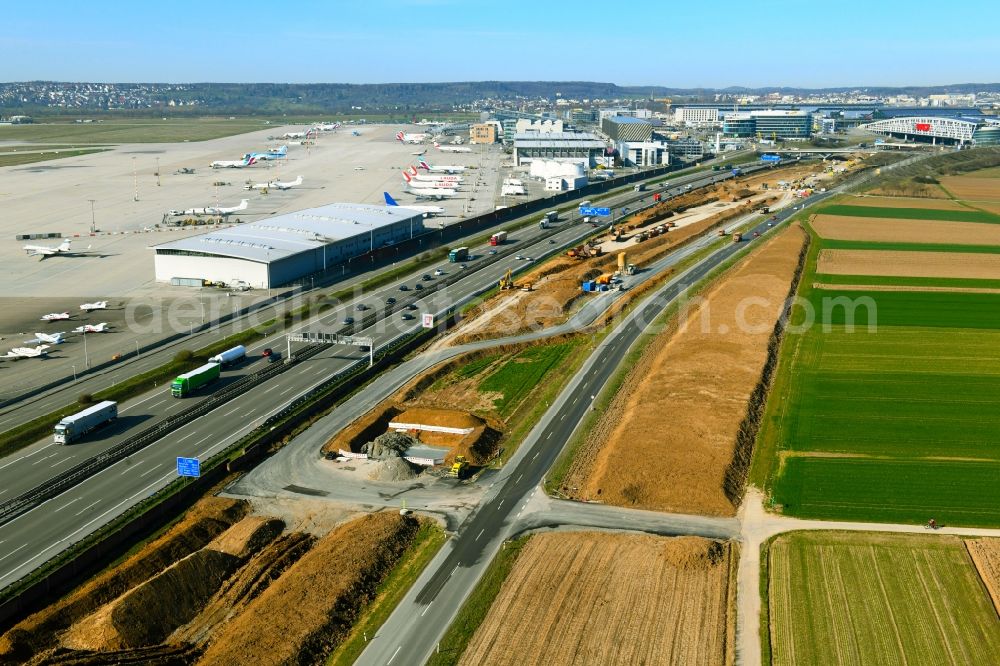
595 598
904 202
669 436
973 189
909 264
986 555
884 230
207 519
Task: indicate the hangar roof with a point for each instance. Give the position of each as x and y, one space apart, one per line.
281 236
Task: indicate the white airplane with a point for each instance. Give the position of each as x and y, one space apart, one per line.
92 328
436 184
213 210
96 305
50 338
257 186
287 185
294 135
234 164
447 168
434 177
427 211
420 153
452 149
55 316
411 138
431 192
43 251
26 352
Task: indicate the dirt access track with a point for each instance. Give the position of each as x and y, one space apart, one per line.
909 264
596 598
221 587
891 230
669 437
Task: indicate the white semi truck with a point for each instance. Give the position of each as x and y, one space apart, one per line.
76 426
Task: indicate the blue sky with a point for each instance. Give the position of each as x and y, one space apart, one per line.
640 42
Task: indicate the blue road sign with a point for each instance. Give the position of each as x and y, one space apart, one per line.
590 211
770 158
188 467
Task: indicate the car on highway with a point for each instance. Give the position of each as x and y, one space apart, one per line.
552 241
493 251
390 301
403 287
410 306
267 352
518 257
406 316
426 277
347 321
461 266
362 307
439 272
418 286
528 259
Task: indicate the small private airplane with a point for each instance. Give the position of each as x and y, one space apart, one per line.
426 211
92 328
452 149
96 305
43 251
247 160
26 352
213 210
445 168
47 338
55 316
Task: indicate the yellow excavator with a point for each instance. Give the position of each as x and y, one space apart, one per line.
507 282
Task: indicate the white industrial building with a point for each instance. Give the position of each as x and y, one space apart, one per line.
644 153
696 117
582 146
278 250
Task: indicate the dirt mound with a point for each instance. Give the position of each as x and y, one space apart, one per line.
203 522
693 553
146 615
392 469
449 418
239 590
302 615
363 430
389 445
247 536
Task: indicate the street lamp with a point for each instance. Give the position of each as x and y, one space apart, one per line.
93 223
86 354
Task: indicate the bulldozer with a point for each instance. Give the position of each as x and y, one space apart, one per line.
459 467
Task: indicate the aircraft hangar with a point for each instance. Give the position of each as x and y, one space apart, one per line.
281 249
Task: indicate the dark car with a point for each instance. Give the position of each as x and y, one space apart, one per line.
348 321
267 352
403 287
390 301
418 286
406 316
426 277
362 307
411 306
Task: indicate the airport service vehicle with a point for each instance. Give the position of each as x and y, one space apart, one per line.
76 426
498 238
458 254
237 353
189 382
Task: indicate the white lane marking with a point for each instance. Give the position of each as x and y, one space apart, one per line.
290 388
237 408
562 416
534 456
60 462
88 507
480 533
136 404
13 551
576 399
15 460
151 469
272 388
45 458
548 436
421 615
191 434
500 504
130 467
394 655
518 480
68 503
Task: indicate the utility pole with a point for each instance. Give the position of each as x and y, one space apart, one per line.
157 171
135 182
93 224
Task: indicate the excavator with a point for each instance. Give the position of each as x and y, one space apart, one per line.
507 282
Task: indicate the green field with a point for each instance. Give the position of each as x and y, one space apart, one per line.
832 244
894 280
892 419
853 598
19 159
131 131
911 213
516 378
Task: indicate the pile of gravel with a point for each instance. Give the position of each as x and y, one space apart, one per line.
389 445
392 469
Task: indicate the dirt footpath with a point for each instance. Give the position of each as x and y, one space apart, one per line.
909 264
594 598
667 439
882 230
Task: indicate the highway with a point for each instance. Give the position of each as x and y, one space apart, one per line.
32 538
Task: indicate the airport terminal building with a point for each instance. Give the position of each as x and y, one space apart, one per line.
281 249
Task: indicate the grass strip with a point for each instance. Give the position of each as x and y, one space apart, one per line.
475 608
911 213
18 159
427 542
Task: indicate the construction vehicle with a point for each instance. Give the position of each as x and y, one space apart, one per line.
459 467
630 269
737 237
604 278
721 232
506 282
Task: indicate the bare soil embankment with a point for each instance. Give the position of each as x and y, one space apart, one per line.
668 442
596 598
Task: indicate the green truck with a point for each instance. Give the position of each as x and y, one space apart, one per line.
192 381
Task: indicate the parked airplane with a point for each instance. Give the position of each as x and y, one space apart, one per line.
411 138
355 133
50 338
295 135
452 149
449 168
249 185
43 251
434 177
437 184
92 328
420 153
426 210
212 210
96 305
279 153
431 192
234 164
26 352
287 185
55 316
